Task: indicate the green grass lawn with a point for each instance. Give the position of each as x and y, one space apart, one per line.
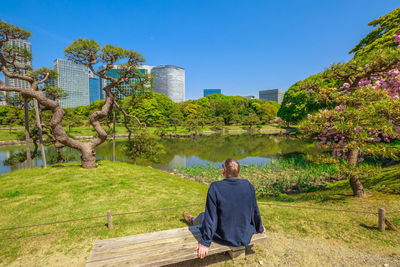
67 191
6 136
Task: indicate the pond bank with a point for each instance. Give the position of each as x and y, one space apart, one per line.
213 149
203 133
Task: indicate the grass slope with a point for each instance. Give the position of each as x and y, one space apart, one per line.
68 191
385 181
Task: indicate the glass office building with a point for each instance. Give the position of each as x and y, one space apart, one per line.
125 89
94 88
74 80
207 92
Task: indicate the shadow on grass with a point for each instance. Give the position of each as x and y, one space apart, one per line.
185 222
320 196
63 165
369 227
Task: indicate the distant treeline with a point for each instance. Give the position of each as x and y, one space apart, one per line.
156 109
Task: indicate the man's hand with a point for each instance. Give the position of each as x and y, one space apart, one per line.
202 251
264 230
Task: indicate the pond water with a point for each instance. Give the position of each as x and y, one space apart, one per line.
185 152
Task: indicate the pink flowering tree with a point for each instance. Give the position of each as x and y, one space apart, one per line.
366 110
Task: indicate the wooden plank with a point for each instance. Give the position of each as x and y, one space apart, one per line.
153 249
123 243
167 255
143 248
149 236
145 236
179 252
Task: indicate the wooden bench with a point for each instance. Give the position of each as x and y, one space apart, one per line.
157 248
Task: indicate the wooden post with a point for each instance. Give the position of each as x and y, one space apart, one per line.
27 135
381 219
237 253
39 125
113 156
109 219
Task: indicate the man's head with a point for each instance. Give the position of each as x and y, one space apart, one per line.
231 168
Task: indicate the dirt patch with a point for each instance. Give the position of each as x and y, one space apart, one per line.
279 250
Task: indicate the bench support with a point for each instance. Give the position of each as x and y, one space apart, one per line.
237 253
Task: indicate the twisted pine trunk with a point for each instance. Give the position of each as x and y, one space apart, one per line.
87 149
355 183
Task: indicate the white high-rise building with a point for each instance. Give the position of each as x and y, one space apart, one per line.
24 66
168 80
73 78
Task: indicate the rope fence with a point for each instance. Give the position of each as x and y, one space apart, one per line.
382 219
313 208
96 217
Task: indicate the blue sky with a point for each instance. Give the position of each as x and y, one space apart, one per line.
239 46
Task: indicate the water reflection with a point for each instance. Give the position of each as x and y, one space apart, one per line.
214 149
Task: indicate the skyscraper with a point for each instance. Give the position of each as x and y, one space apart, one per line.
170 81
125 89
94 88
74 80
272 95
207 92
24 65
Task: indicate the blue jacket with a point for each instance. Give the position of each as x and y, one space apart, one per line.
231 216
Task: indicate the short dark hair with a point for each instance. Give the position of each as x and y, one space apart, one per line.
232 168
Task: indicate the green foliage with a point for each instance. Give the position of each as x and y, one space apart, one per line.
9 31
365 116
218 124
42 73
298 101
251 120
233 109
275 177
375 63
71 119
89 52
176 118
381 36
144 145
150 107
10 115
54 93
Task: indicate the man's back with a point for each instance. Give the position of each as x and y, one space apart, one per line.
231 215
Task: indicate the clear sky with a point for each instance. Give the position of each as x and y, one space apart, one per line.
239 46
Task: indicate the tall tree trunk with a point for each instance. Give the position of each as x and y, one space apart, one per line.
88 157
39 125
27 136
355 183
113 159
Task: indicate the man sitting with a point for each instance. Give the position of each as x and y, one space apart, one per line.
231 216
